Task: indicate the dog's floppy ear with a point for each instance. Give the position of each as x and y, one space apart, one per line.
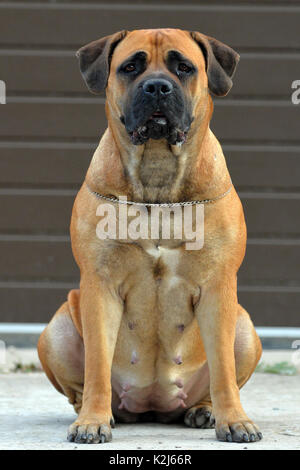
221 62
95 58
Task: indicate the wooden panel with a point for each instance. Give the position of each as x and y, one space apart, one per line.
255 121
267 307
60 118
41 72
64 165
31 71
271 262
43 212
267 261
268 167
268 75
49 212
84 118
31 303
74 25
44 165
36 259
271 307
271 214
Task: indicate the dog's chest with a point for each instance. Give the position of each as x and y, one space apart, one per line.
158 325
161 289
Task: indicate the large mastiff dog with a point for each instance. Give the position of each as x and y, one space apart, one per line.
155 331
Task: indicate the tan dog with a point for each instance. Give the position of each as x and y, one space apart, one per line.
156 331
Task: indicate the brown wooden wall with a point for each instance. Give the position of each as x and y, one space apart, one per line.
51 125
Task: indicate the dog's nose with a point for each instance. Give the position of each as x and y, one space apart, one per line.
157 87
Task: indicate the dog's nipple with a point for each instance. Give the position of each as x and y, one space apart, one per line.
131 325
134 358
126 387
121 405
178 360
179 383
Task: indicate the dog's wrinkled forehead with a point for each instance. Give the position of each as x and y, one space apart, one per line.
157 44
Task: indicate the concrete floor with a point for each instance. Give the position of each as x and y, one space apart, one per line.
34 415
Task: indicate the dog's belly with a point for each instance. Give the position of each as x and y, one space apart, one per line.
159 356
149 398
166 395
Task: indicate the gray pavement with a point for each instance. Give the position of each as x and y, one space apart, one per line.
34 415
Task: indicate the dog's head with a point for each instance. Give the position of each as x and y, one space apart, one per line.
157 81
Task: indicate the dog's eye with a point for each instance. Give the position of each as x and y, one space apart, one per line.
129 68
182 67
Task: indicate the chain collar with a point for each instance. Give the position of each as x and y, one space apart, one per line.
165 204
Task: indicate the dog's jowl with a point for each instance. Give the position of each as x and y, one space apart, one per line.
156 331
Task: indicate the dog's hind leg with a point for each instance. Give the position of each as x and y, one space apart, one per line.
61 351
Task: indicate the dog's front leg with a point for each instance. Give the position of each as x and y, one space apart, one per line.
101 312
217 316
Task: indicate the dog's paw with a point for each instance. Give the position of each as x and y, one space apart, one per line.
199 416
91 433
241 431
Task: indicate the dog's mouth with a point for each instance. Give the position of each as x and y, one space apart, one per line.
158 126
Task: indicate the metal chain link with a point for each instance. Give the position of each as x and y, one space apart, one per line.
165 204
